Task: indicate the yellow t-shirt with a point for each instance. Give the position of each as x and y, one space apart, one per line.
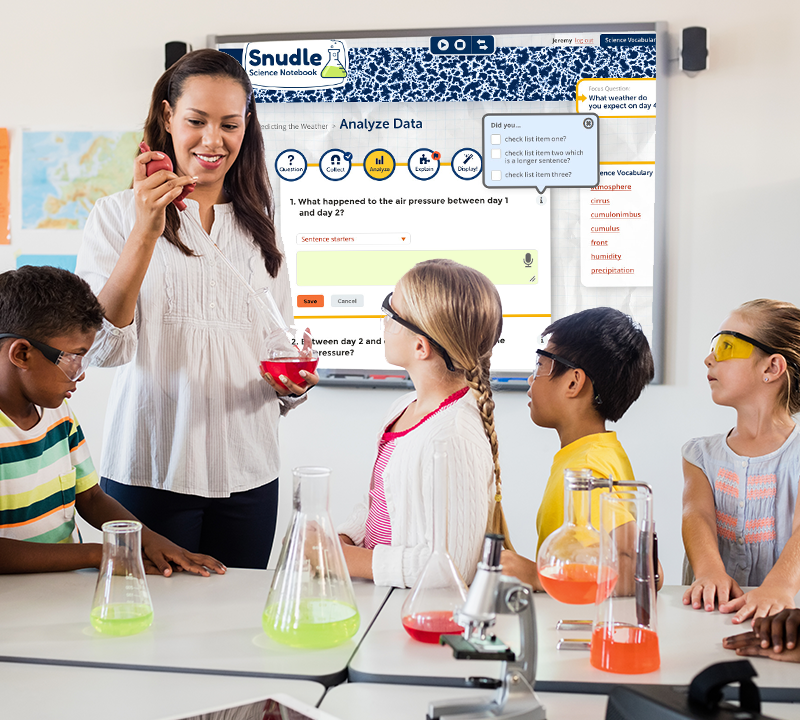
603 455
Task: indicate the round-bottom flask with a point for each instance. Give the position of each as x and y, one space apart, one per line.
311 602
439 590
122 604
568 559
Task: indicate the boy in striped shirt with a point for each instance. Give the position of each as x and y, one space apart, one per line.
48 321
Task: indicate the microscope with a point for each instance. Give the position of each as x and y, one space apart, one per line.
493 593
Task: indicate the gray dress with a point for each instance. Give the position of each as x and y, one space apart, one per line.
754 499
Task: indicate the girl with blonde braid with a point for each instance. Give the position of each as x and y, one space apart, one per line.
442 322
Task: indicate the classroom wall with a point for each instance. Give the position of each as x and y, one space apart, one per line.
732 186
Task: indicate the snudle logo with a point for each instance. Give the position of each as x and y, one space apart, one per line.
286 65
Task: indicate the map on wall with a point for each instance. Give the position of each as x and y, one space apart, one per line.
64 173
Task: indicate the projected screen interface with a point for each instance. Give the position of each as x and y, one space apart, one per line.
528 157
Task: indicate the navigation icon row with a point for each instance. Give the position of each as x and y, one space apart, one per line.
379 164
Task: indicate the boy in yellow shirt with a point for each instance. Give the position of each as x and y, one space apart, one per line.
595 365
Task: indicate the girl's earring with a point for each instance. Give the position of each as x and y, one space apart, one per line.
766 379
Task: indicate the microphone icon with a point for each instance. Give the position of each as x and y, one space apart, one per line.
528 260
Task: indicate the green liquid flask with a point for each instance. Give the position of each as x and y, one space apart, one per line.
122 604
311 602
333 68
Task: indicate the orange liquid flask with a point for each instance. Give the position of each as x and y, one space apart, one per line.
624 637
625 649
568 559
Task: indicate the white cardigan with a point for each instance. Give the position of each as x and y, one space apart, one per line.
408 485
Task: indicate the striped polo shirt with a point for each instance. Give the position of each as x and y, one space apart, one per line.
41 470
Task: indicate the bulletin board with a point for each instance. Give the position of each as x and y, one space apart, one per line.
386 148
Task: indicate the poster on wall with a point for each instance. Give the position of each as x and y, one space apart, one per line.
529 154
5 201
64 173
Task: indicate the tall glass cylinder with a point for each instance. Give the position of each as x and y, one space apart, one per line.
439 590
122 604
311 603
624 634
568 558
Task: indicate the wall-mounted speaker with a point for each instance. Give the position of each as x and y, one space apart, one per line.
174 51
694 49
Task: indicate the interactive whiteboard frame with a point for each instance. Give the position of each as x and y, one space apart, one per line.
399 378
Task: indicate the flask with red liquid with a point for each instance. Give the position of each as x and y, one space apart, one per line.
569 559
279 355
624 634
439 590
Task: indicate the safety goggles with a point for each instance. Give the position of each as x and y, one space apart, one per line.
545 370
729 345
72 365
392 315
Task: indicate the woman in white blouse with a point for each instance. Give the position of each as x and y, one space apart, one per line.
191 435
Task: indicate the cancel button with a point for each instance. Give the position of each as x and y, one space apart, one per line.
347 301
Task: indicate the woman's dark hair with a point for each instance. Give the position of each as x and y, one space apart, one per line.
246 183
610 347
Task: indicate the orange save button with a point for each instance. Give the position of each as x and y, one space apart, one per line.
310 301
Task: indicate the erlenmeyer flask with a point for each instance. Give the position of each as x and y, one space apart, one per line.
439 590
568 559
122 603
311 602
333 68
624 637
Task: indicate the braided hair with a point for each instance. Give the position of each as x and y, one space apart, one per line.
460 309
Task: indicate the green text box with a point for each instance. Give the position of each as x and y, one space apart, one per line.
386 267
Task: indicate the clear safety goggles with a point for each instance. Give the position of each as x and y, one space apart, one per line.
729 345
545 369
72 365
541 369
392 315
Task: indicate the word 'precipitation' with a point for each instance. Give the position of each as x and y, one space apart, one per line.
369 125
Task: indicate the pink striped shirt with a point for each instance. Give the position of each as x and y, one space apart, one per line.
378 526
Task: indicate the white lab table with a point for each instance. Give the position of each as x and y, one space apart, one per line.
78 693
689 640
201 625
366 701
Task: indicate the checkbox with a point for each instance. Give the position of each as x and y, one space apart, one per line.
496 154
497 175
495 139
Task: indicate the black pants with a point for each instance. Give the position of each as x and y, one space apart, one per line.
237 530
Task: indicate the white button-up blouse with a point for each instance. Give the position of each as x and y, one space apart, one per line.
189 411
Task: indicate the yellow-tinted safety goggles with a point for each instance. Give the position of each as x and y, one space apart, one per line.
728 345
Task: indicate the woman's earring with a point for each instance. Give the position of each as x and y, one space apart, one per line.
766 379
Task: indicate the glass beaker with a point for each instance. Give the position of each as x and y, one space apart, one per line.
624 634
568 559
311 602
122 604
439 590
333 68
